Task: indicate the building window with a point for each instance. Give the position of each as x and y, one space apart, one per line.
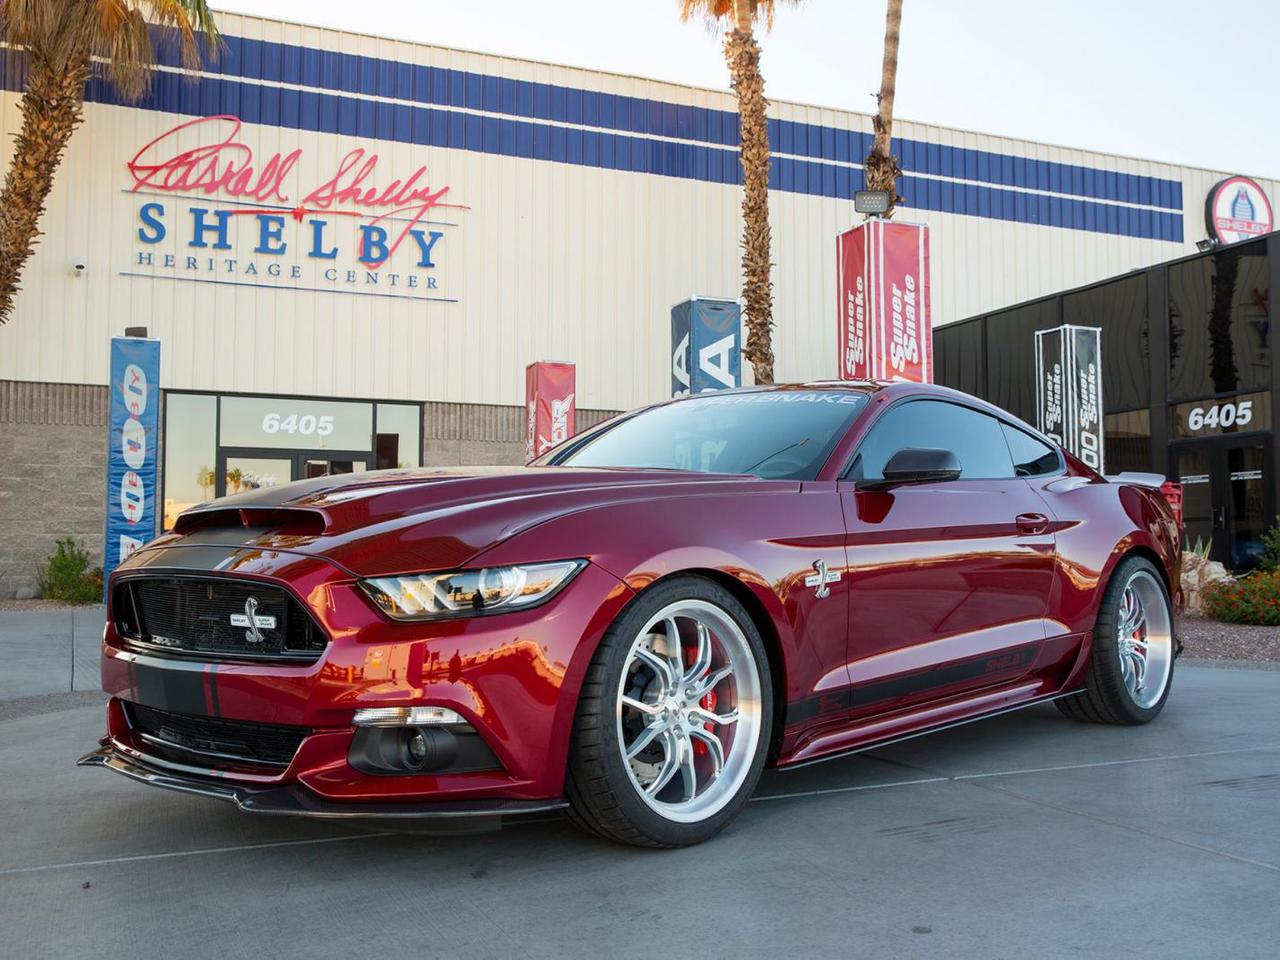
220 445
190 451
1128 441
398 439
1219 323
1011 356
958 357
1120 309
279 423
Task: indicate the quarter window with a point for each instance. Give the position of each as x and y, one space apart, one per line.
975 438
1031 457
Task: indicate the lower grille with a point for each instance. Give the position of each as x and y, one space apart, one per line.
214 741
216 619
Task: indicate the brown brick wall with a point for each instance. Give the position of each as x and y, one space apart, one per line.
53 461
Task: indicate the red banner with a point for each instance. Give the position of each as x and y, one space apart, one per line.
886 322
549 407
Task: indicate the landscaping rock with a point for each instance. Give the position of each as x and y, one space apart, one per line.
1198 573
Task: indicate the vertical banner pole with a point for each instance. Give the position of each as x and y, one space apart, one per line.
550 408
1069 407
706 346
132 434
885 318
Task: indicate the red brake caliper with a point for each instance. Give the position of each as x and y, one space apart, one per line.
707 703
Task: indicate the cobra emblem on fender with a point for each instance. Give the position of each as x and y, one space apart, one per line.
821 579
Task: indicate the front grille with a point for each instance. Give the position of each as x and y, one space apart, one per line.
210 618
214 741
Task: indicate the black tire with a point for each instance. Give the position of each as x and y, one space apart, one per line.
603 798
1106 698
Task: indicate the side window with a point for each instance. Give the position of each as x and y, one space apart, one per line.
1031 457
976 439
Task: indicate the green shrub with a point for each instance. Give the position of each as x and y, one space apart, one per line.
67 577
1255 599
1270 559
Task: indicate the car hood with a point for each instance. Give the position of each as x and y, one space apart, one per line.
400 521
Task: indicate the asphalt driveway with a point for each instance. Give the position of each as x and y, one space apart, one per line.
1027 836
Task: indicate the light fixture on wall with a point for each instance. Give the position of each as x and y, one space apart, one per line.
1207 244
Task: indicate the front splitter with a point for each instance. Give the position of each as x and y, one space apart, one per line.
448 816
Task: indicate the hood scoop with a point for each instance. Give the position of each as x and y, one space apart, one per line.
291 521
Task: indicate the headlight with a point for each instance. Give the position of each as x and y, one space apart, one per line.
470 593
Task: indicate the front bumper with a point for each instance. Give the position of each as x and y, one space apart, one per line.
294 800
513 678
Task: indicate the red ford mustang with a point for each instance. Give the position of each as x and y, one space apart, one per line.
634 626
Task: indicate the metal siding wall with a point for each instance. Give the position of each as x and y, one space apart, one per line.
558 260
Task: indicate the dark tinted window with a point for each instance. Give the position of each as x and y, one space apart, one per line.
1120 309
1031 457
959 360
1128 442
973 437
1218 323
1011 356
774 433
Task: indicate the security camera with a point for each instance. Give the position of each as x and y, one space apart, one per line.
79 267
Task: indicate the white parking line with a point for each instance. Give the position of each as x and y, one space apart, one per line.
794 795
109 861
1114 763
853 789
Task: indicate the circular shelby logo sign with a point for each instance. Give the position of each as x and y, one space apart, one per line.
1237 209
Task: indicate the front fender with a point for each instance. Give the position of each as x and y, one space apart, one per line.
766 541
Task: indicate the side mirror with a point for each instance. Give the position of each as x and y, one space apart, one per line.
916 465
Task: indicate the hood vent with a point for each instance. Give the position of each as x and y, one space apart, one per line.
297 522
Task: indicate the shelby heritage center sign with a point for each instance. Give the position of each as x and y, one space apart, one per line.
210 209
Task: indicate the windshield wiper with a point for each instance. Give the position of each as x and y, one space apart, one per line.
776 453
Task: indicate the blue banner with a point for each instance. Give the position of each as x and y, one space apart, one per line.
706 346
131 448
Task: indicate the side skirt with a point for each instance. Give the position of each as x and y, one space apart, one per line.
926 731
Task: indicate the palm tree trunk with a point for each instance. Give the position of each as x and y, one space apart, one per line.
52 107
743 54
882 169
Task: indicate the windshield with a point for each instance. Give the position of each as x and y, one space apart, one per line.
775 433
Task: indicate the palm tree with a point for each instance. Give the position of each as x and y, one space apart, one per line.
235 479
743 54
882 171
206 478
60 40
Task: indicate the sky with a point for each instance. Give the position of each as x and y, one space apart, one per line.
1180 81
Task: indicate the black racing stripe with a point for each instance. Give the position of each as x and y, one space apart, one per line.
176 687
904 685
213 690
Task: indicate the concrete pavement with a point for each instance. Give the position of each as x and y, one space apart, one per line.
1027 836
49 650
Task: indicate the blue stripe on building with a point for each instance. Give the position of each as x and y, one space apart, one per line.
440 86
260 103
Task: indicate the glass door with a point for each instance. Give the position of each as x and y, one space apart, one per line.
241 469
1227 496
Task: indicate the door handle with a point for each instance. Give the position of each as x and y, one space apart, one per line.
1032 523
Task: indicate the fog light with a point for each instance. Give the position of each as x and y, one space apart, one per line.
426 748
405 716
418 749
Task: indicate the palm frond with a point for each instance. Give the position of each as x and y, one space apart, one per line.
713 12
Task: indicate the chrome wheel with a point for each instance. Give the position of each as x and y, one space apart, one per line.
1145 639
689 709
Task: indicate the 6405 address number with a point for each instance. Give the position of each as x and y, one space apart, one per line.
1220 416
305 424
